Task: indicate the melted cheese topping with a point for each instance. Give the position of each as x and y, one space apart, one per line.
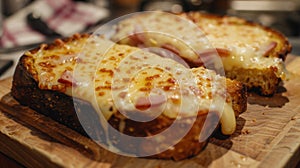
247 46
116 77
250 46
159 29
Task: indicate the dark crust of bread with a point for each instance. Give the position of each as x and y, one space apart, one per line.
238 93
50 103
62 108
263 81
187 147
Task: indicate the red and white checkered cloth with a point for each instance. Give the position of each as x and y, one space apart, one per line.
64 16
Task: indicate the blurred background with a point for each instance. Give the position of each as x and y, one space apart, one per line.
283 15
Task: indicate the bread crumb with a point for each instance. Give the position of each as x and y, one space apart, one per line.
246 131
243 158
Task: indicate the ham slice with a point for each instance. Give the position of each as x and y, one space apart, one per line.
143 103
67 78
268 48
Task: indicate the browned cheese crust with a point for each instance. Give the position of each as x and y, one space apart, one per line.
263 81
281 50
62 108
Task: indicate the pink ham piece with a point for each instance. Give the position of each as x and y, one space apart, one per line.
144 103
171 48
67 78
268 48
137 37
206 56
223 52
167 54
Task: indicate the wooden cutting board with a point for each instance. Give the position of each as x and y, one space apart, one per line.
267 135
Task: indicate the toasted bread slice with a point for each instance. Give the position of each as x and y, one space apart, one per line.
85 81
259 52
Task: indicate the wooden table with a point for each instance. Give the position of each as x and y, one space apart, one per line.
267 135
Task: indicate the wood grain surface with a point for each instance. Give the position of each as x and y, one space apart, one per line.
267 135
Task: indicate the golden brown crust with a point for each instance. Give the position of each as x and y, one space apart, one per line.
62 108
53 104
188 146
59 43
263 81
238 94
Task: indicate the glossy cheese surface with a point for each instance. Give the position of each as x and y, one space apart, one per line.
164 30
115 77
237 43
250 46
